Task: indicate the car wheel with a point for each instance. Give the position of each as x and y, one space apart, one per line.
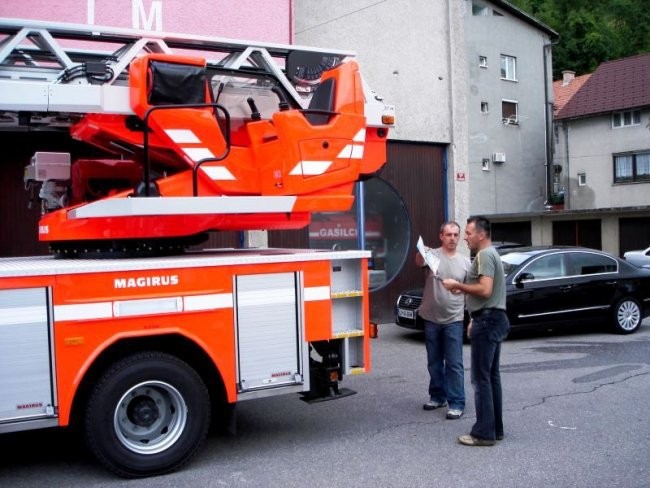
627 316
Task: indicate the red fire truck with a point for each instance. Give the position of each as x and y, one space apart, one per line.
124 331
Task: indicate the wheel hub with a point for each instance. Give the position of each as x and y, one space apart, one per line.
143 411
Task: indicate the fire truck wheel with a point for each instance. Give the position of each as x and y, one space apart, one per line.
138 420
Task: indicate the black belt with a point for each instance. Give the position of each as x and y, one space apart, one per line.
485 311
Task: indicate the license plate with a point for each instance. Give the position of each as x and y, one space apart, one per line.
407 314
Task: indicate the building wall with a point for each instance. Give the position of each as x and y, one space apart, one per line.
519 184
592 142
268 21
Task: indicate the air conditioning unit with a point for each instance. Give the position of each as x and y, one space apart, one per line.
499 157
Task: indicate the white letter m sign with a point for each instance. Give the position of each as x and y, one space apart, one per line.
140 18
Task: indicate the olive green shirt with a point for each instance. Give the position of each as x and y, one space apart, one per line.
487 263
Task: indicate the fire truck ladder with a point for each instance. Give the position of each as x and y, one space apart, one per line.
281 130
40 73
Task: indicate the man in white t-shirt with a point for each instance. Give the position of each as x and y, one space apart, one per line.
442 312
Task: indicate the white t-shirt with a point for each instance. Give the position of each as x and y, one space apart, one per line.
439 305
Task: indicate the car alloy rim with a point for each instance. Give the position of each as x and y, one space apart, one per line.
628 315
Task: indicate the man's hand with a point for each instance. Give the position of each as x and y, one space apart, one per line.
451 284
469 329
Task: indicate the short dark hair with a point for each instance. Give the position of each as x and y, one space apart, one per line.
481 224
448 222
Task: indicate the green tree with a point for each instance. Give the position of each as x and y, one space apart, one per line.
592 31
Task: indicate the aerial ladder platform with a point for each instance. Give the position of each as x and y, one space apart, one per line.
200 133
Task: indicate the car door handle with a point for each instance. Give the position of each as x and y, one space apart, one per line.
565 287
614 282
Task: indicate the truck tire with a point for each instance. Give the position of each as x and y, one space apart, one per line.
148 414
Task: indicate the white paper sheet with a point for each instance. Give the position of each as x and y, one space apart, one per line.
432 261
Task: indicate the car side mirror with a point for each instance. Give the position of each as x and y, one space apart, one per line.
524 277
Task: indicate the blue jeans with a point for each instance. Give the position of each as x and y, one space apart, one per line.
488 331
445 363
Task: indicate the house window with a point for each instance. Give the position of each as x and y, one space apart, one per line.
582 179
484 107
631 167
626 119
508 68
482 61
479 8
509 112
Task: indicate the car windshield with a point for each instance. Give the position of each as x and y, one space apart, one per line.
513 259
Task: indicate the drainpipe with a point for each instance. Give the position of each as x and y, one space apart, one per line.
567 191
548 121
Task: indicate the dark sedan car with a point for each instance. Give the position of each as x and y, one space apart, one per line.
547 287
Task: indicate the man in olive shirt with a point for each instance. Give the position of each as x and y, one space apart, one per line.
486 301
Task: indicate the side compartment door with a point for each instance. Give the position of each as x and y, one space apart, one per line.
269 335
26 385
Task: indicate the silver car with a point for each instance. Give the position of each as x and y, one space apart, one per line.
638 258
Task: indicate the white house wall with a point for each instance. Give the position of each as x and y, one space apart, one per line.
519 184
592 144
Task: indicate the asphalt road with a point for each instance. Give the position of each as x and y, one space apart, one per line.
576 414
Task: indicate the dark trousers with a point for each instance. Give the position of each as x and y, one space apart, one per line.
489 329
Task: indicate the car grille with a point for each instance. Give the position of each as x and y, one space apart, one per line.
409 302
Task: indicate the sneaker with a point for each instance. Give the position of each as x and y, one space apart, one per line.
431 405
454 413
469 440
499 437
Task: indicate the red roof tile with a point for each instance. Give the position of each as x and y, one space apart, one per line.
621 84
563 93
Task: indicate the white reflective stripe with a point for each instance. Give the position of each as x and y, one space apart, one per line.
198 153
351 151
346 152
212 301
311 168
357 151
22 315
146 306
313 293
182 136
218 173
84 311
114 207
361 136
